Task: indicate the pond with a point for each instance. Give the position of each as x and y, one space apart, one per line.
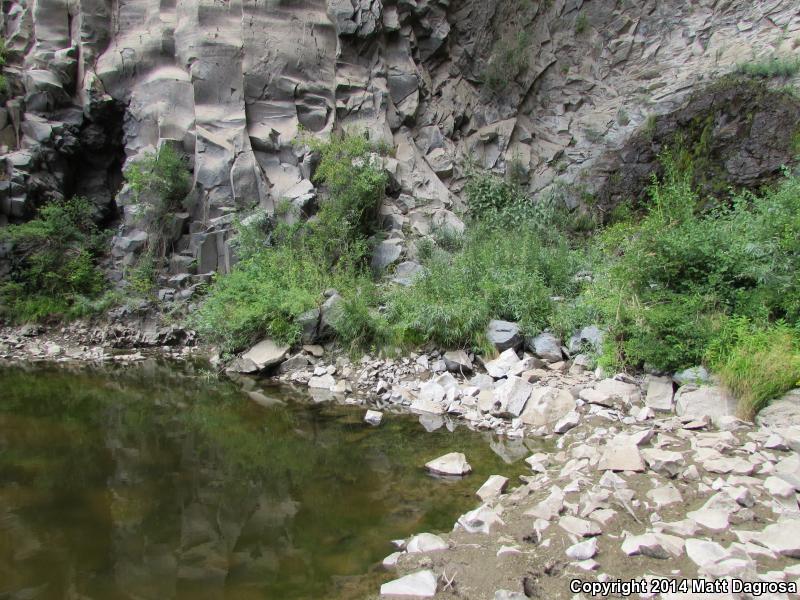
160 481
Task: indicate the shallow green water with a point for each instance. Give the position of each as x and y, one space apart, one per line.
159 482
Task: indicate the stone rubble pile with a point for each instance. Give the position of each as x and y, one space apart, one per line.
637 486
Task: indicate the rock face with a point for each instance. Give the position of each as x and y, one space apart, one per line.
93 86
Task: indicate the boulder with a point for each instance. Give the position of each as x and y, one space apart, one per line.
621 457
511 396
504 335
373 417
452 464
263 355
494 486
457 361
422 584
693 376
546 346
590 336
546 406
707 401
322 382
500 366
426 542
385 253
659 393
784 412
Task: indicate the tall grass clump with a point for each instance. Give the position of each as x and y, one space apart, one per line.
54 270
756 363
773 66
284 269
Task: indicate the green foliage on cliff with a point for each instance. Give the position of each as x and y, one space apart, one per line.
160 182
774 66
54 273
284 269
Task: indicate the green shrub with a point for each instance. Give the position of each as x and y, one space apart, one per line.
55 270
581 23
510 58
756 363
285 268
160 182
664 283
3 80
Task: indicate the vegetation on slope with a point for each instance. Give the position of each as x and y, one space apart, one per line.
55 272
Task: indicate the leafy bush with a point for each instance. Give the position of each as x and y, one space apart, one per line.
285 268
55 271
664 284
160 182
3 80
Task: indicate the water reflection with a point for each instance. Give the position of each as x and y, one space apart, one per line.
153 482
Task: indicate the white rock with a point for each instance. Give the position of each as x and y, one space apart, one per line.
511 396
583 550
579 527
621 458
665 495
494 486
426 542
324 382
778 487
665 462
547 405
500 366
782 537
567 422
709 401
454 463
659 393
508 550
704 553
654 545
421 583
373 417
480 520
266 354
710 518
391 561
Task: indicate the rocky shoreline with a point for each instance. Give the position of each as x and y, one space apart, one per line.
646 481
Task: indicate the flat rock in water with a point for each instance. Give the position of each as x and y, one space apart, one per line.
422 584
454 464
266 354
373 417
323 382
426 542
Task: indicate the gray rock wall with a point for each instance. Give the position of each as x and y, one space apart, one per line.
232 83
